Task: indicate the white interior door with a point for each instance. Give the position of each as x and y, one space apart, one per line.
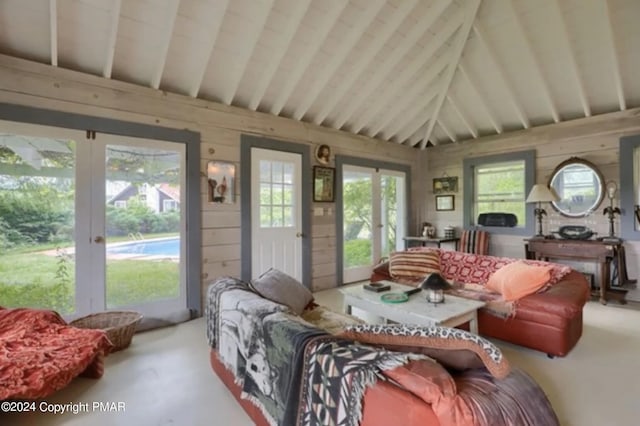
374 218
276 213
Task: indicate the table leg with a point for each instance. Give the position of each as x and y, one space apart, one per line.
473 324
604 281
346 307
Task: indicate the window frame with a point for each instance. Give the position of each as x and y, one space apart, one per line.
469 166
627 146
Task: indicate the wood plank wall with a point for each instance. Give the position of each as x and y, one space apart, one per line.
594 139
32 84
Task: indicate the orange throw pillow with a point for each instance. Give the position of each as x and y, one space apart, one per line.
413 264
517 279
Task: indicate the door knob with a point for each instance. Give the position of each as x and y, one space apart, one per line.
98 239
380 226
299 235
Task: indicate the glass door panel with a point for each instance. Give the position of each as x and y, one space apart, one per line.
392 212
358 192
37 218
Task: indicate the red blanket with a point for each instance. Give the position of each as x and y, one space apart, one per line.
40 353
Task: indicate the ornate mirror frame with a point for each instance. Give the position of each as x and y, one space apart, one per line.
583 200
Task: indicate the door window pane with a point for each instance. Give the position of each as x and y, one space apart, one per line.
37 222
276 194
357 196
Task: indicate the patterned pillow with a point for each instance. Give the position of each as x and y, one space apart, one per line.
443 339
410 265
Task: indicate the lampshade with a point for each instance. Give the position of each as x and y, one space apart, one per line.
541 193
435 282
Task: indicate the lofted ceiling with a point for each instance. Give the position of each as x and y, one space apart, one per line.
413 72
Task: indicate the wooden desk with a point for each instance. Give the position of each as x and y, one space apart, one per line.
424 241
604 253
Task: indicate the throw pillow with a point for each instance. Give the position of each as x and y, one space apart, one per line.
517 280
424 378
411 265
441 343
281 288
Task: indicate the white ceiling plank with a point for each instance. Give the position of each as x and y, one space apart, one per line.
407 115
502 76
480 98
337 58
413 100
170 20
417 122
260 12
461 41
536 62
299 9
215 23
113 37
409 73
458 111
615 62
444 129
582 93
293 78
379 76
53 31
381 37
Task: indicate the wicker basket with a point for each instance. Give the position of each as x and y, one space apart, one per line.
119 325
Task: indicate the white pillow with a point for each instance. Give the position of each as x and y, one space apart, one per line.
284 289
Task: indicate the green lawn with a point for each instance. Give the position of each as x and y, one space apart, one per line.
28 279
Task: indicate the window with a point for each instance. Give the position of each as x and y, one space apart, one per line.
121 204
276 194
168 205
499 184
629 186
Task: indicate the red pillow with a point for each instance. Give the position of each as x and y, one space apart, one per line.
517 279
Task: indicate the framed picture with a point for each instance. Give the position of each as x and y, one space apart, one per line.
323 154
324 184
220 181
445 202
445 184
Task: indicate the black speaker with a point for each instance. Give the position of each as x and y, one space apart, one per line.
508 220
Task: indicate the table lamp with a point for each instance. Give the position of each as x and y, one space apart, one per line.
539 194
435 286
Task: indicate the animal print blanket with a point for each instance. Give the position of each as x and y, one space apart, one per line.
275 355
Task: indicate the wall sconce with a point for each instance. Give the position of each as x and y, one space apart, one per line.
611 212
435 286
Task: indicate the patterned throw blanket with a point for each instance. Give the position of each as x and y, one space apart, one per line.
275 355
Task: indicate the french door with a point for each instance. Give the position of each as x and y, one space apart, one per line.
276 214
92 224
374 218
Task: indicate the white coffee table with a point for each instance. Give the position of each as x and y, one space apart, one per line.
453 312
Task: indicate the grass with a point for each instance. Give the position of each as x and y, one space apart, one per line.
28 279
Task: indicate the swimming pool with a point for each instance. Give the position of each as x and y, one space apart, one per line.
169 247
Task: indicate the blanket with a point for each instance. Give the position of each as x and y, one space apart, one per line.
40 353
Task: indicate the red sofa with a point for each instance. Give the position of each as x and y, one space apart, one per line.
549 321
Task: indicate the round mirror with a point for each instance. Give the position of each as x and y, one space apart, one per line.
579 185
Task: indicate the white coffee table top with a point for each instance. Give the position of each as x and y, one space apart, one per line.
417 310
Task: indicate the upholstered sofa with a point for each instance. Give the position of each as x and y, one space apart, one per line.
285 370
549 320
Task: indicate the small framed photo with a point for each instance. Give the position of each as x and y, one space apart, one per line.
324 184
445 184
445 202
323 154
220 181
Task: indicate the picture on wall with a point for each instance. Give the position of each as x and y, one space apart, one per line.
220 178
324 184
445 184
445 202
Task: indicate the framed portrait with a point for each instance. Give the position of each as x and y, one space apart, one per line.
445 202
445 184
220 181
323 154
324 184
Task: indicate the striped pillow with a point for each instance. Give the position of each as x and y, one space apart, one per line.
413 264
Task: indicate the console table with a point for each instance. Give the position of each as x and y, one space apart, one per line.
430 241
604 253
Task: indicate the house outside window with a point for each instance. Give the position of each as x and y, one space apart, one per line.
499 184
121 204
168 205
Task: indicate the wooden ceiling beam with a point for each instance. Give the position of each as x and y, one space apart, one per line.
418 123
215 23
365 60
258 19
163 51
536 63
53 31
410 112
502 77
303 62
460 43
615 61
299 9
577 77
410 73
463 118
347 44
112 40
382 72
485 107
447 132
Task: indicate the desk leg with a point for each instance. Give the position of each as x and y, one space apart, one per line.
604 281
